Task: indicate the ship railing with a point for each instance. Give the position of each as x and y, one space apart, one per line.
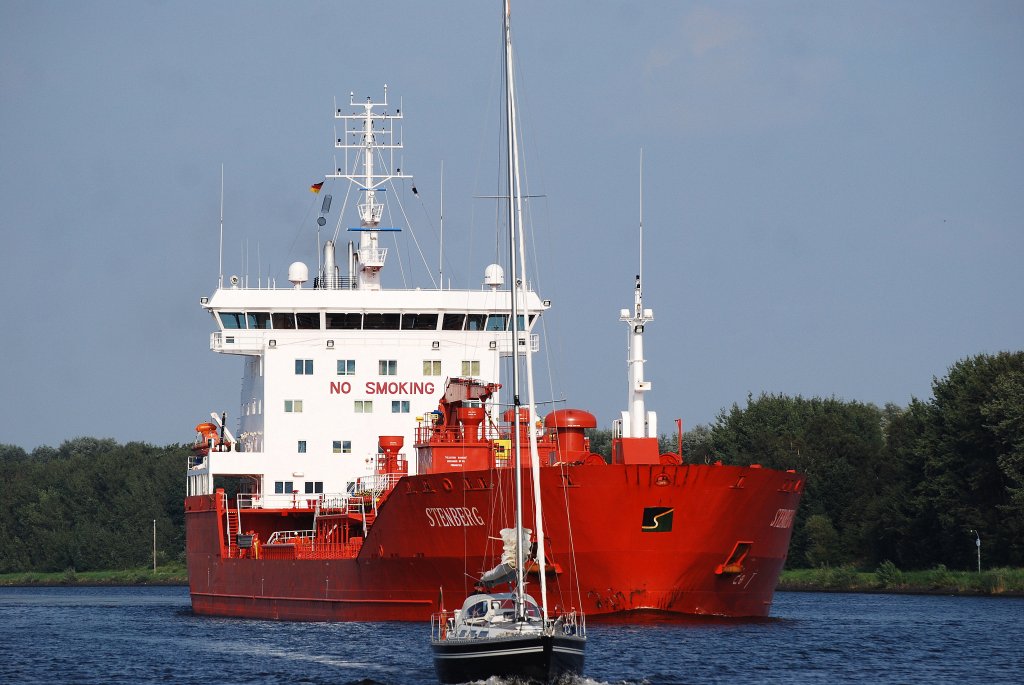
238 340
373 256
292 500
573 623
441 623
426 433
283 536
303 544
505 345
379 483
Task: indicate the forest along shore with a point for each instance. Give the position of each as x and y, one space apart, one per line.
887 579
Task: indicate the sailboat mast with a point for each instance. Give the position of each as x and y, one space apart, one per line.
521 282
511 173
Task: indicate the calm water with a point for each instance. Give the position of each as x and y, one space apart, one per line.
149 635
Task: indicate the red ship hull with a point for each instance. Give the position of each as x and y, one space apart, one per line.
682 539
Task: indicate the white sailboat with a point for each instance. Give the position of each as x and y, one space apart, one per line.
511 634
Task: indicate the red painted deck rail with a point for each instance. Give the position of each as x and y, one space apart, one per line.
302 548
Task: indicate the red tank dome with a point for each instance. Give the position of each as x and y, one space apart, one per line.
570 418
569 428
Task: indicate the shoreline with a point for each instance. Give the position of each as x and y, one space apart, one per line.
4 583
1000 582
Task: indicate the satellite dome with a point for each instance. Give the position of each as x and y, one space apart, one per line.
494 276
298 274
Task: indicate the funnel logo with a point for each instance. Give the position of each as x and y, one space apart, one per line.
657 520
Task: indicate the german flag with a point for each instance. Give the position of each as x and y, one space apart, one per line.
315 188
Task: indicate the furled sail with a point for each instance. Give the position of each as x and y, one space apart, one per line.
506 570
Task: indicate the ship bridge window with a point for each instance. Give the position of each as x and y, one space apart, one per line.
307 320
419 322
519 319
258 319
283 320
382 322
475 322
283 487
497 322
452 322
232 320
314 487
343 321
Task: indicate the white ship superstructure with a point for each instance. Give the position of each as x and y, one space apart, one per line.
332 365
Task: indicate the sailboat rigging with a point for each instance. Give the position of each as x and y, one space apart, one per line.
509 634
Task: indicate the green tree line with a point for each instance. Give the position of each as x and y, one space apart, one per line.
899 484
90 505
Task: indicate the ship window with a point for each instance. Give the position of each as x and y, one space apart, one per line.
302 446
346 367
388 367
342 446
283 487
382 322
344 321
314 487
283 320
364 406
470 368
452 322
419 322
232 320
293 406
258 319
431 367
399 406
519 319
497 322
307 320
303 367
475 322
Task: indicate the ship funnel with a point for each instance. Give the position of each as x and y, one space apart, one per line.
329 276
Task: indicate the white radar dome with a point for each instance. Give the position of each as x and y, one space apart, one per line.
298 273
494 275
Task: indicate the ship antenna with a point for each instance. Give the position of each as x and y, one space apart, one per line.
440 254
220 264
640 277
636 421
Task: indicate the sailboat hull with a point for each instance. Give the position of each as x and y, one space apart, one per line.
531 658
698 539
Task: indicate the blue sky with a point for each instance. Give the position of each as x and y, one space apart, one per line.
834 192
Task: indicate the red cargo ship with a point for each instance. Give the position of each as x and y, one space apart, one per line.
312 530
